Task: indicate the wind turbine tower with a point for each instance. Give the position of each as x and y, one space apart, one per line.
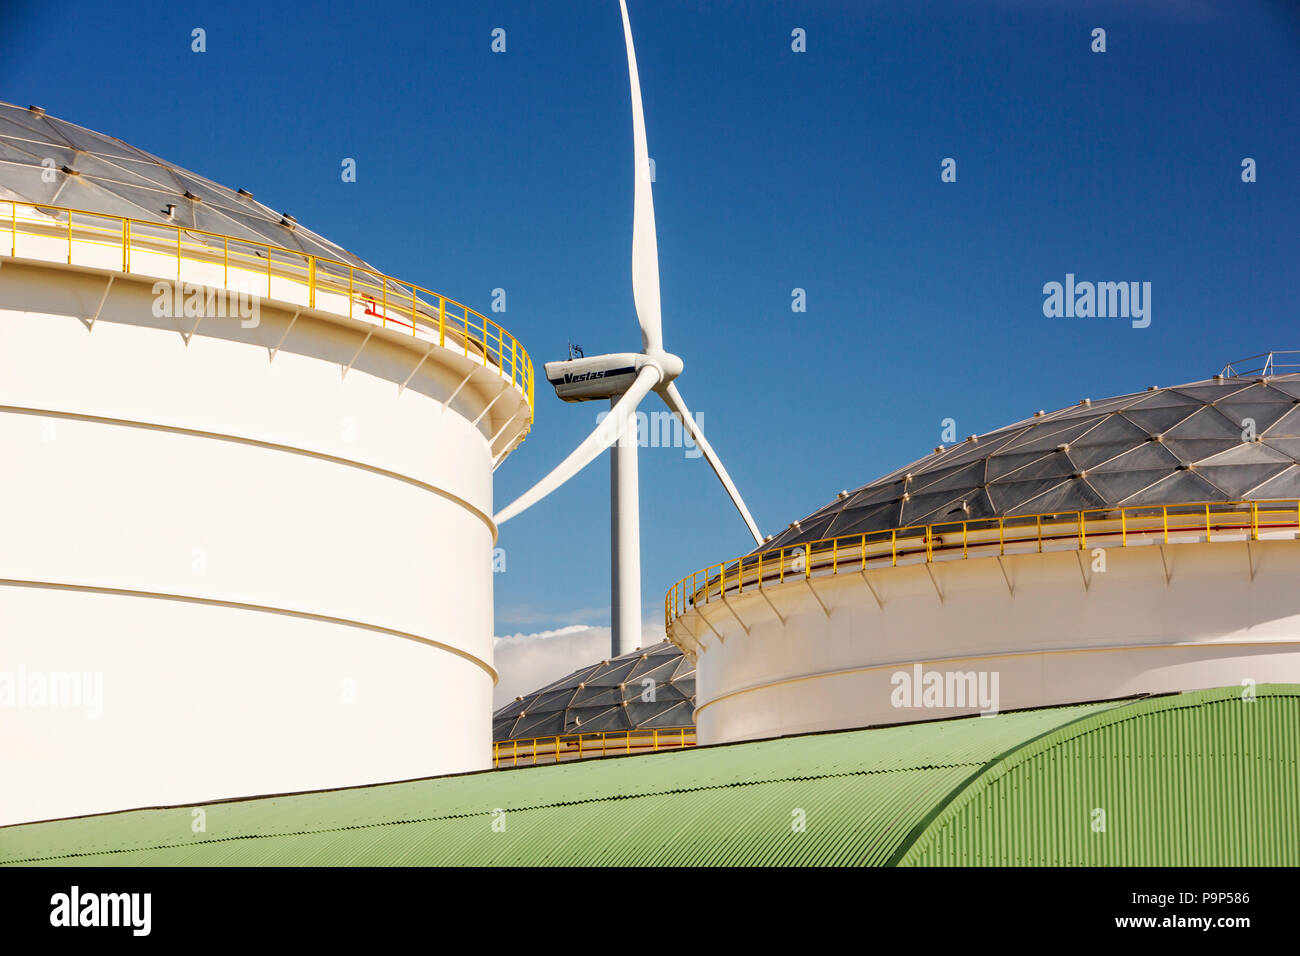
624 379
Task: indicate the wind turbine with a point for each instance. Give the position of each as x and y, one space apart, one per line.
625 378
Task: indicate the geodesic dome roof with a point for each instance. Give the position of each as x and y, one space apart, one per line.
1183 444
48 161
607 697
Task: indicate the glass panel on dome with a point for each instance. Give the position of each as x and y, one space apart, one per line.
954 510
1288 426
875 494
1093 408
1113 428
1190 450
1285 485
80 194
666 693
1164 398
962 452
1053 465
1073 495
924 508
1287 446
1000 466
1211 392
1206 423
615 718
1146 456
11 126
1156 420
116 174
966 476
1236 480
615 673
680 714
1257 393
540 725
597 697
1117 486
1246 453
89 141
1181 486
858 520
554 700
1009 497
570 681
661 673
22 157
1047 438
1290 385
979 505
683 671
1096 456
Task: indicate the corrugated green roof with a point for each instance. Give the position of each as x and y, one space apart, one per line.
1200 779
869 797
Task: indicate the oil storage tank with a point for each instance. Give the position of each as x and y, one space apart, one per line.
1141 544
246 494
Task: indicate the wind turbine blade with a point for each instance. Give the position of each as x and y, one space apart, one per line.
645 244
606 433
673 399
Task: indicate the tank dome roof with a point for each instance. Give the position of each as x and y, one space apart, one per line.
607 697
49 161
1183 444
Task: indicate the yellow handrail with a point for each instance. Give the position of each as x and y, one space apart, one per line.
557 749
478 333
1127 526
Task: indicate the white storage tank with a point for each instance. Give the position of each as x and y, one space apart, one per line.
246 540
1136 545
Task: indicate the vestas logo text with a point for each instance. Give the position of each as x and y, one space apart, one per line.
570 378
103 909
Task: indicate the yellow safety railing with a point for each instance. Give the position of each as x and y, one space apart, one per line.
80 237
614 743
1131 526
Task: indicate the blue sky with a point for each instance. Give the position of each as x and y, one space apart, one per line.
775 170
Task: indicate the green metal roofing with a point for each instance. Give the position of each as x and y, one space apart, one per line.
908 794
1200 779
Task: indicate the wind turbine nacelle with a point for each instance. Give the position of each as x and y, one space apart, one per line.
596 377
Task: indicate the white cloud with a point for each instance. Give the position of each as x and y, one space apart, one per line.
527 662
